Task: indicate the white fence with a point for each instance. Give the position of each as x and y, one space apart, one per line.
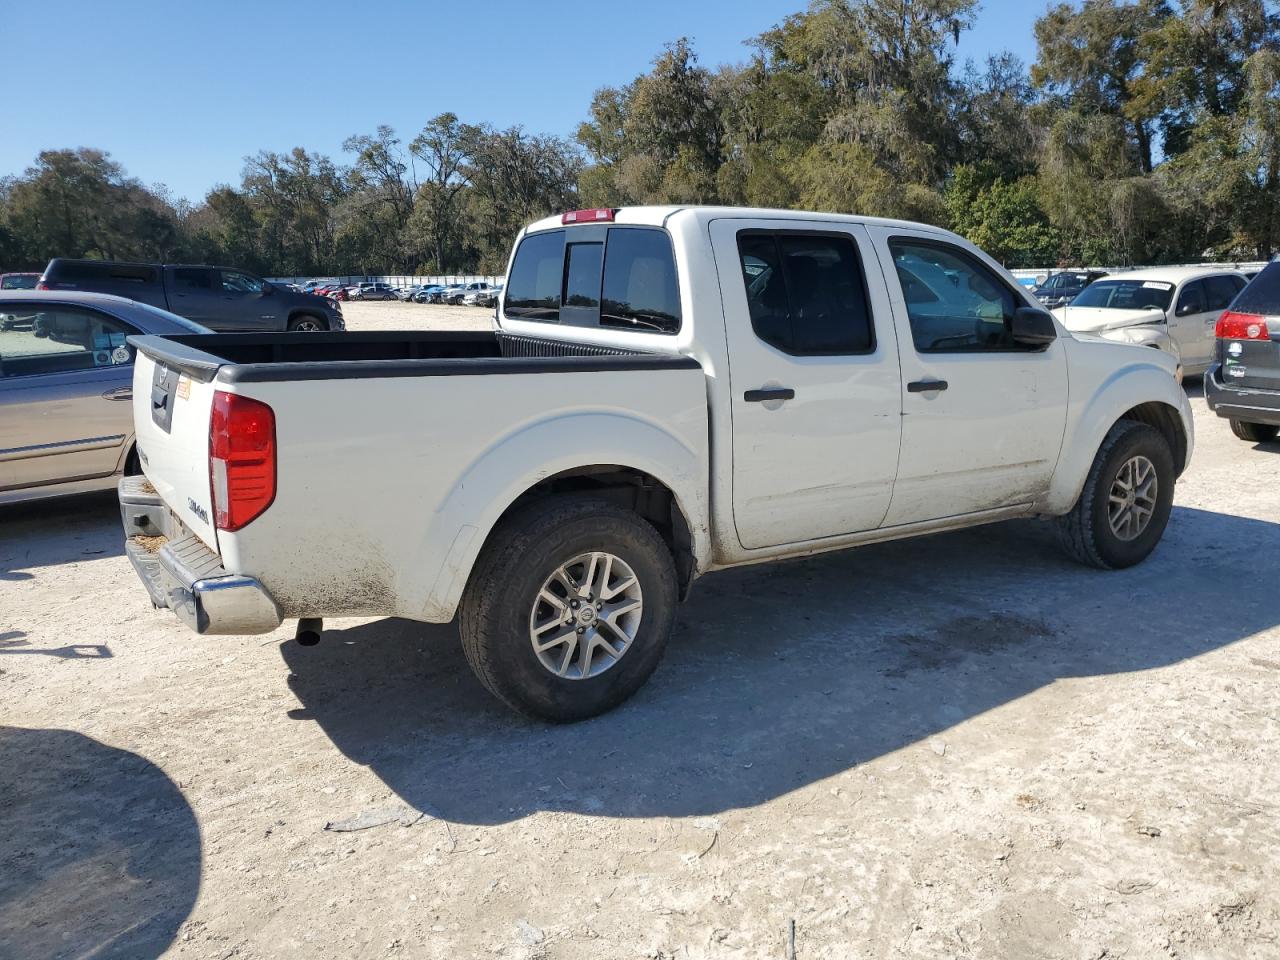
398 280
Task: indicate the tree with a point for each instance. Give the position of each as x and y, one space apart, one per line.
1093 59
441 146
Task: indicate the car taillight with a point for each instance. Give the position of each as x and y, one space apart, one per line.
594 215
1241 326
41 285
242 459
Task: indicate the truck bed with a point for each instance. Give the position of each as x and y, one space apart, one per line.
394 451
273 357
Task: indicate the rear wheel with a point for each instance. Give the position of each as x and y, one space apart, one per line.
306 323
1254 432
1125 504
569 608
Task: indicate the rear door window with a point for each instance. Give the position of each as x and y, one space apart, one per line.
37 339
1220 291
192 279
806 293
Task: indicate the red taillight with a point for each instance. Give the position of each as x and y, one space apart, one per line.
594 215
1241 326
41 285
242 459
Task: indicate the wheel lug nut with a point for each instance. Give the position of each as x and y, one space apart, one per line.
599 606
574 604
582 629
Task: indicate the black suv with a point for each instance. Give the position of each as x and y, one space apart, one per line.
220 298
1061 288
1243 384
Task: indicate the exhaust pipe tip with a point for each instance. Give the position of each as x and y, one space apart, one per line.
309 630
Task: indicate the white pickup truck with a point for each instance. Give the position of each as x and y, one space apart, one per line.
669 391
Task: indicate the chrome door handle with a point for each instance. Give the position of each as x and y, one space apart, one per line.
119 393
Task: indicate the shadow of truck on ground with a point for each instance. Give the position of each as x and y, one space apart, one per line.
782 675
99 852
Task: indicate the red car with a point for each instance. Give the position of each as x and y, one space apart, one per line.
19 281
336 292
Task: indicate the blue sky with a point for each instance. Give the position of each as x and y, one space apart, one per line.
181 92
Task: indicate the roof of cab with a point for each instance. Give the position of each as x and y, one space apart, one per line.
659 215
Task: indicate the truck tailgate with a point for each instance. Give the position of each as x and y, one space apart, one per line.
171 420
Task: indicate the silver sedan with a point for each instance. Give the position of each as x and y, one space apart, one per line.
66 382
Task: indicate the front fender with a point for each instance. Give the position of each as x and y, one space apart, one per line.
1106 392
517 462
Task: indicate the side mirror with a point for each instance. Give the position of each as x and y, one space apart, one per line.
1032 327
267 287
1185 310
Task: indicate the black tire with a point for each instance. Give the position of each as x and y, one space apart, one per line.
513 566
307 323
1254 432
1085 533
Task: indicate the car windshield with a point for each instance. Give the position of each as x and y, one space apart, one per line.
19 281
1126 295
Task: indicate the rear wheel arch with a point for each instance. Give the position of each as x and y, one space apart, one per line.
632 489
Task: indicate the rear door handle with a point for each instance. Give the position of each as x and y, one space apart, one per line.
119 393
924 386
774 393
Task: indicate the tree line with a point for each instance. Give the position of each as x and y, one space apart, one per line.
1144 132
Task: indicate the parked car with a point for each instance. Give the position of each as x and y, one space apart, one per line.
1063 287
482 298
570 499
220 298
19 281
1171 308
372 291
1243 384
458 293
337 292
66 379
425 294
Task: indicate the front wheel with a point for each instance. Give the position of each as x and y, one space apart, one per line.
1254 432
569 608
1125 504
307 324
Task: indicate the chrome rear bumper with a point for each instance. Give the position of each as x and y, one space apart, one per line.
183 575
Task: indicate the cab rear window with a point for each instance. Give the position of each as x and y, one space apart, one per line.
618 277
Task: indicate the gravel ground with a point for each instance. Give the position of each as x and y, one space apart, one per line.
394 315
955 747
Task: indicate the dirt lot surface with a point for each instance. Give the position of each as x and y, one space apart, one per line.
956 747
394 315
